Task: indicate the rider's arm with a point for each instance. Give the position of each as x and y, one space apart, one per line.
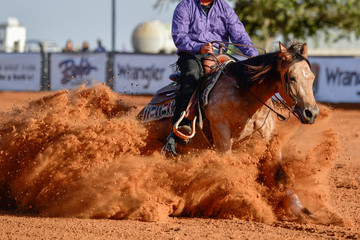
238 34
180 30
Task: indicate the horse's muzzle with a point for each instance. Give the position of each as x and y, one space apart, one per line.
308 114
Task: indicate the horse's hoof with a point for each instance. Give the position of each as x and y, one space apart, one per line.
306 213
295 205
297 209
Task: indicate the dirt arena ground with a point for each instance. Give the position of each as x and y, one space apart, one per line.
52 186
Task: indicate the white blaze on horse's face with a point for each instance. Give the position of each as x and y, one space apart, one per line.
301 80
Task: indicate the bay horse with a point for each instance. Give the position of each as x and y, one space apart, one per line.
239 104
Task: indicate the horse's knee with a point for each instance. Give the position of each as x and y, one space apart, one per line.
281 178
274 173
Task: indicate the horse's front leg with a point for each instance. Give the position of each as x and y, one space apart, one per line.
221 134
276 176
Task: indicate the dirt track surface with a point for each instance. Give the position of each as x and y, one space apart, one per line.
342 198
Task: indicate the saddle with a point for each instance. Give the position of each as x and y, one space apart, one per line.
162 105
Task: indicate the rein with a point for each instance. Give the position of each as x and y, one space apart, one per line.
223 45
289 91
286 76
279 115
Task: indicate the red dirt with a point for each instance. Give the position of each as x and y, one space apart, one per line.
71 157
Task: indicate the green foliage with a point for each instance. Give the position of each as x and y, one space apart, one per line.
298 18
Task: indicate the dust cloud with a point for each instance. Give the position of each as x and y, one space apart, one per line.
77 154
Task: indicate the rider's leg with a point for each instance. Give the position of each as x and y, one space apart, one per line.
191 72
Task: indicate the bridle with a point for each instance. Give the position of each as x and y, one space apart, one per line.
289 90
292 96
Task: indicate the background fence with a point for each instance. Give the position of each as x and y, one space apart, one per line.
337 78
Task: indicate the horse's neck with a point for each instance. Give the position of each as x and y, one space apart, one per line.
262 77
261 93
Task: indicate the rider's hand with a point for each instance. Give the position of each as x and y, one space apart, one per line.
207 48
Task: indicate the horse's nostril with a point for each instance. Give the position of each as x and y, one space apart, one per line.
308 114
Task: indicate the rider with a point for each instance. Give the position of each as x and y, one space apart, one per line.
196 23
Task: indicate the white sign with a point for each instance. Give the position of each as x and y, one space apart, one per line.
337 79
69 70
20 72
142 74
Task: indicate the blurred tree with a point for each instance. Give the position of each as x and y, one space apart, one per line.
266 19
299 19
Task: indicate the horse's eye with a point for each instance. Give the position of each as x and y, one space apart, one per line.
292 78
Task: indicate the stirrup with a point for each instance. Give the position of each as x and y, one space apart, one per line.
180 134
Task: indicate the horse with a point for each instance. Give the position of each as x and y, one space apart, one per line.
240 103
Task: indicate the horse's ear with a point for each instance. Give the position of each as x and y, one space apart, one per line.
304 50
284 54
282 47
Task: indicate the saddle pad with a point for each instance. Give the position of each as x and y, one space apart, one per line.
157 112
205 94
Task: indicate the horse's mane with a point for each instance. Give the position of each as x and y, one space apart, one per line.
261 67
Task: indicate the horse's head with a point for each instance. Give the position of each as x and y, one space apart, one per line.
297 81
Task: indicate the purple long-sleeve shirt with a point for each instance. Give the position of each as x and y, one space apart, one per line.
191 27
